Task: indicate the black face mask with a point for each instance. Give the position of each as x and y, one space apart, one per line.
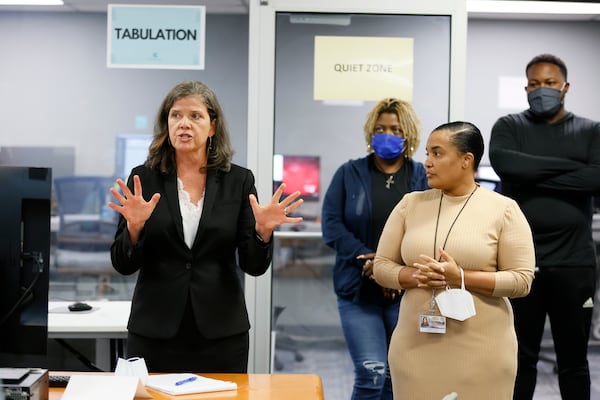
545 102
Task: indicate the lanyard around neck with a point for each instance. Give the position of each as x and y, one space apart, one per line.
437 222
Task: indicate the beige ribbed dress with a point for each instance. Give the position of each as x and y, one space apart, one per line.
476 358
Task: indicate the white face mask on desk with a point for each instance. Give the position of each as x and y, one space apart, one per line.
456 303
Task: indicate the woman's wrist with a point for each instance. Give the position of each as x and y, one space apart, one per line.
457 283
134 233
264 235
407 279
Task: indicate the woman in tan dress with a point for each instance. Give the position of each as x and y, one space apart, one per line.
431 237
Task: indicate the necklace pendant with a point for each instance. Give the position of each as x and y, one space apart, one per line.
389 182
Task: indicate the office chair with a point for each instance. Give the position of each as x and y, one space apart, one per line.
283 345
86 230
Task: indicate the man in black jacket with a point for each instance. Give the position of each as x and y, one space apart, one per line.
549 161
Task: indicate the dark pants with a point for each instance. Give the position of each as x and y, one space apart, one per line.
189 351
561 294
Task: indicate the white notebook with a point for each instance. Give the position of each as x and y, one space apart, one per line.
187 383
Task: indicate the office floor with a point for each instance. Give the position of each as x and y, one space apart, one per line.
335 368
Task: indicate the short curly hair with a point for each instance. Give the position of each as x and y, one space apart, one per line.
407 117
550 59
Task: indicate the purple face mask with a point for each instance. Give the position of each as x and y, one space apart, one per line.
386 146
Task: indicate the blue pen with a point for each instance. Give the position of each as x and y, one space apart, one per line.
186 380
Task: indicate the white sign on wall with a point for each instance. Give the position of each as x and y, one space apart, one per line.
160 37
363 68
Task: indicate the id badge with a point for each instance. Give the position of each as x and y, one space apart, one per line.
432 323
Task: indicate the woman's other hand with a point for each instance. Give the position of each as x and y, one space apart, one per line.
437 274
133 207
388 293
275 213
430 273
368 265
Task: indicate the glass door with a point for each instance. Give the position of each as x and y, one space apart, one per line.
300 135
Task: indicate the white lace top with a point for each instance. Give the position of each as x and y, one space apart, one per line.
190 214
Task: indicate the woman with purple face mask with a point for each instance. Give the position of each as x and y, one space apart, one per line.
356 206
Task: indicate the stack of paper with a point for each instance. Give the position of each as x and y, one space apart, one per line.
101 387
187 383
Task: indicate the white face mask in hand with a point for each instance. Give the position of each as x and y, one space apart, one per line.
456 303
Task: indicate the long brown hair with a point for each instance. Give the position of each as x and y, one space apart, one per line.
161 155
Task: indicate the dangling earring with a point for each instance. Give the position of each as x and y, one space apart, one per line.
209 144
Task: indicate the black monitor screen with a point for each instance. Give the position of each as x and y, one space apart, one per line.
24 260
487 177
300 173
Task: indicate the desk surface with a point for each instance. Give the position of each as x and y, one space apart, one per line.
250 387
107 319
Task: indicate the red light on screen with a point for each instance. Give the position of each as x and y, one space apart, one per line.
301 173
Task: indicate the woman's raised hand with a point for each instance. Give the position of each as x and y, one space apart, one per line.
275 213
132 206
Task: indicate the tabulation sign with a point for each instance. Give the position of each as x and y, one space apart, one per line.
158 37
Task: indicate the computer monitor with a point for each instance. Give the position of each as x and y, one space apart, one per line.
487 177
131 151
24 262
300 173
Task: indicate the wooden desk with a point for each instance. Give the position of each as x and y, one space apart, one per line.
250 387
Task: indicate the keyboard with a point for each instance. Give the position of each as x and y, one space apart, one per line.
58 380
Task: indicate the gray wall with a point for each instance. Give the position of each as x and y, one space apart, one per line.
503 48
55 88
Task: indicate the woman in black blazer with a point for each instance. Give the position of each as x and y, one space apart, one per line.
189 217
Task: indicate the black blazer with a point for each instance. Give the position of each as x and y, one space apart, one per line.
170 273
